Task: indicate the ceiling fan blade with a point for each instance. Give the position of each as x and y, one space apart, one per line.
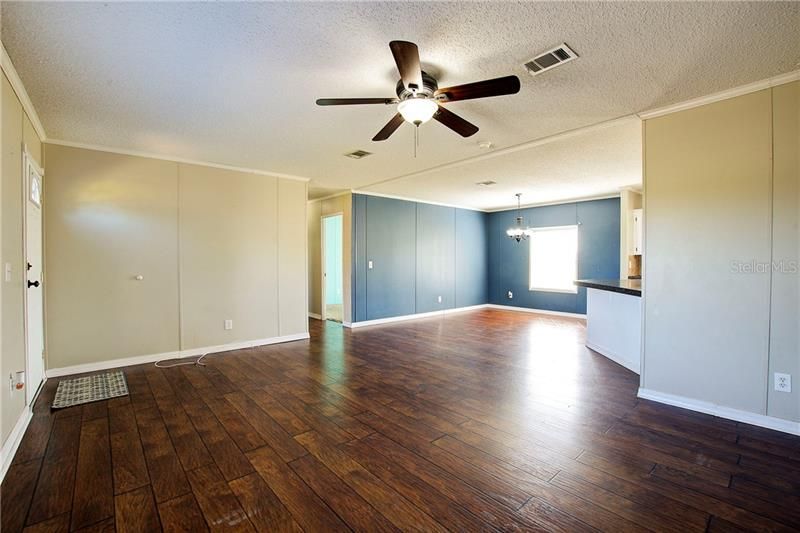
479 89
406 55
355 101
389 128
455 123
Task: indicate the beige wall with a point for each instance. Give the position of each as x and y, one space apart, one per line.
210 244
709 202
224 273
16 130
110 218
785 313
317 209
292 257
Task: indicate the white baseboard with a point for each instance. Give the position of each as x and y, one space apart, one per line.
415 316
632 366
536 311
192 352
316 316
755 419
14 439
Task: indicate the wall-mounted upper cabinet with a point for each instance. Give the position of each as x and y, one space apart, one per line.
636 245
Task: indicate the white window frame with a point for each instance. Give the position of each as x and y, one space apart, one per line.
532 232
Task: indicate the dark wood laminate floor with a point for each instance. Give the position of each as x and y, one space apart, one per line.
486 420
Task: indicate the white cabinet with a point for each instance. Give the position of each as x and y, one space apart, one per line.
637 232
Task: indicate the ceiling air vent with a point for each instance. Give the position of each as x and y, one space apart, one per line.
552 58
358 154
487 183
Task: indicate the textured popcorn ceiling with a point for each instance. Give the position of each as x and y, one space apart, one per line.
590 162
235 83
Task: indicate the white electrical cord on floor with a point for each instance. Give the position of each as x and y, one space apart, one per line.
195 362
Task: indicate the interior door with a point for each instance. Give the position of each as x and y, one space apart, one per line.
34 316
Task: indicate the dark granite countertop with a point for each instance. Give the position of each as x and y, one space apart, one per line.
632 287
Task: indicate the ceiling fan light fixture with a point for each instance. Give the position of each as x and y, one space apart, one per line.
417 110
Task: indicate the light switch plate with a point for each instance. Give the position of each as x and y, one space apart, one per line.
229 324
783 382
369 265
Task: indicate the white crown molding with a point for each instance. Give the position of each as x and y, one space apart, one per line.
22 94
516 148
335 195
417 200
13 441
16 83
643 115
161 157
755 419
415 316
557 202
722 95
192 352
537 311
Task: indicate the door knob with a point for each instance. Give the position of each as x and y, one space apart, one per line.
32 284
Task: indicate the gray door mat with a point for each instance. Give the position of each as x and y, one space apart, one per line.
87 389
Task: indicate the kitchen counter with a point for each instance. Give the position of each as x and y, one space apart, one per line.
633 287
614 319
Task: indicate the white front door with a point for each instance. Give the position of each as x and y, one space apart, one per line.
34 317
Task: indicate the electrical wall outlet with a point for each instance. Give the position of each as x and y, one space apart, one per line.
783 382
229 324
510 295
439 299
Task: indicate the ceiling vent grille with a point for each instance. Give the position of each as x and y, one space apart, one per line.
487 183
358 154
552 58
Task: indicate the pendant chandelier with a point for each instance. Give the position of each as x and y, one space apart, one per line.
517 231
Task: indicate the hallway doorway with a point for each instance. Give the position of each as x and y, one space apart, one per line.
332 266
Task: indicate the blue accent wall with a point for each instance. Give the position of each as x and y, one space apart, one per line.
598 252
598 243
391 246
472 258
419 252
358 282
436 258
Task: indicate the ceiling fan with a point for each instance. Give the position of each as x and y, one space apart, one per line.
419 97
